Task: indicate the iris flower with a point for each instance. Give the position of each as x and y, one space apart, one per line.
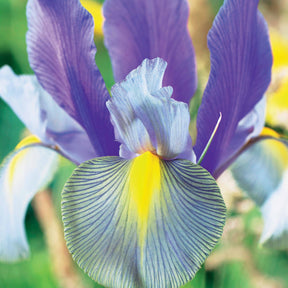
266 180
142 212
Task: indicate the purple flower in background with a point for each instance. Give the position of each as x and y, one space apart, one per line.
145 214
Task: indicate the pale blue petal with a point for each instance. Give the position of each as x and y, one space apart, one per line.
262 172
23 173
258 170
119 243
22 94
144 116
43 116
275 215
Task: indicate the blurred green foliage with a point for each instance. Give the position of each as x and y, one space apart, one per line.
216 4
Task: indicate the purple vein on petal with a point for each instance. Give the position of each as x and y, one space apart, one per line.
241 63
139 29
61 52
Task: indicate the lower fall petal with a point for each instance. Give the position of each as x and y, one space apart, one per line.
275 215
262 172
143 222
23 173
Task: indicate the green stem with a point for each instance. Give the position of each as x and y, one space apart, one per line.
210 140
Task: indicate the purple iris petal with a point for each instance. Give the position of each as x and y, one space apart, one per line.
43 117
139 29
62 54
262 172
241 63
253 122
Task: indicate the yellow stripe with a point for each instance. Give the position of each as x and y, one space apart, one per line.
277 150
27 141
12 166
144 183
269 132
274 147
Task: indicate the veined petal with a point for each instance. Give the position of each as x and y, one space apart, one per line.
43 116
146 221
62 54
262 172
138 29
241 63
254 122
24 172
146 118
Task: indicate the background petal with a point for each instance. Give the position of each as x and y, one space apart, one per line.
147 222
241 63
262 172
139 29
23 173
62 54
43 116
277 100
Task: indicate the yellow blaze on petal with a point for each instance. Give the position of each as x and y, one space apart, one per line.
11 170
269 132
27 141
275 148
144 183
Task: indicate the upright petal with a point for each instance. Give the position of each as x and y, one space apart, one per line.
43 116
241 63
139 29
143 222
24 172
145 117
62 54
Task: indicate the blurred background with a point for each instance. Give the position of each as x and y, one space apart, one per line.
238 260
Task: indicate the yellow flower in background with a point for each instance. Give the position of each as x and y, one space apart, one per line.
277 102
279 48
95 9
